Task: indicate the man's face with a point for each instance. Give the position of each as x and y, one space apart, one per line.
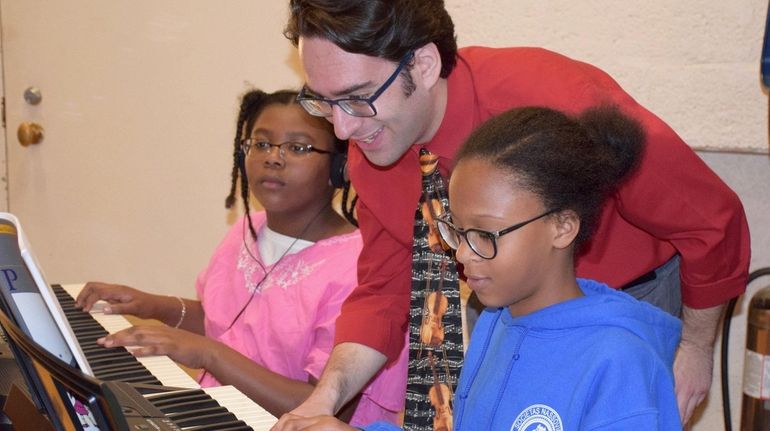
401 120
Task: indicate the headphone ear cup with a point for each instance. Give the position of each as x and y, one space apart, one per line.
338 173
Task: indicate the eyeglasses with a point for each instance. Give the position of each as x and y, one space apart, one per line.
252 147
357 106
482 242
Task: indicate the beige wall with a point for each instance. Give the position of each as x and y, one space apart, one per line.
694 63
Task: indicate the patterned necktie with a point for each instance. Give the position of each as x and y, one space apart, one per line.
435 328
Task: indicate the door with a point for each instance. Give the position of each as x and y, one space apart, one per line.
138 101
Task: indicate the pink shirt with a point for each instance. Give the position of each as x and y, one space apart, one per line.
288 326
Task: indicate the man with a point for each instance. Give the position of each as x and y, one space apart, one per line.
388 75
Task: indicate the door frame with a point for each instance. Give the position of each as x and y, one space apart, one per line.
3 135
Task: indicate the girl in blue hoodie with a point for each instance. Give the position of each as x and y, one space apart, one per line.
551 352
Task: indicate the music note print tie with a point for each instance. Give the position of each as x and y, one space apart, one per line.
435 328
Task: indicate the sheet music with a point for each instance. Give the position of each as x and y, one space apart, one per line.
50 327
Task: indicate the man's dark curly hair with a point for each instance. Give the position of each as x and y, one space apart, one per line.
386 29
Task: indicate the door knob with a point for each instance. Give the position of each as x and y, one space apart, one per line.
29 133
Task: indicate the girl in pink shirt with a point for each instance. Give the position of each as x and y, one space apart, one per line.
268 300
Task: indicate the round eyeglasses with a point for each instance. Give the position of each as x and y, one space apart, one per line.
356 106
482 242
252 147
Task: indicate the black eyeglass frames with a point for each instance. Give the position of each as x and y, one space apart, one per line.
355 106
482 242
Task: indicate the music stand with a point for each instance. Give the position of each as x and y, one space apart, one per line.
63 387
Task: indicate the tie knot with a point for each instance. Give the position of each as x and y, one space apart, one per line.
428 162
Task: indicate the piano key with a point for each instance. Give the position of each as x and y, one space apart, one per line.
161 368
178 401
219 417
199 409
247 410
190 409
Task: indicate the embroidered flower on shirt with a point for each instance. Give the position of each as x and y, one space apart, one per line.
290 270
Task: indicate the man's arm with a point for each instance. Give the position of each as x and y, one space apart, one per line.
694 363
375 314
350 367
711 236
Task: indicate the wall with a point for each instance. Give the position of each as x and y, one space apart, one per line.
693 63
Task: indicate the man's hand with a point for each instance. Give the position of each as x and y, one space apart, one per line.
312 408
693 372
694 362
350 366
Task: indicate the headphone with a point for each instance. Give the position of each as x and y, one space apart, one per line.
338 168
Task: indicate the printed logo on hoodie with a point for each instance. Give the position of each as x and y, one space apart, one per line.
537 417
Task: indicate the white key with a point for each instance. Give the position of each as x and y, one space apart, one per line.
242 407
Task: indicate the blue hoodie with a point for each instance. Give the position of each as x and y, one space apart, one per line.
603 361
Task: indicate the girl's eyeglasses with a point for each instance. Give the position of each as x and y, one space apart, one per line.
252 147
482 242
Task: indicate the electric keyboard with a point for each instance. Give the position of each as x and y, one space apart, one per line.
118 364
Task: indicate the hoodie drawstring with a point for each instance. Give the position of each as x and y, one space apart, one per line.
514 358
